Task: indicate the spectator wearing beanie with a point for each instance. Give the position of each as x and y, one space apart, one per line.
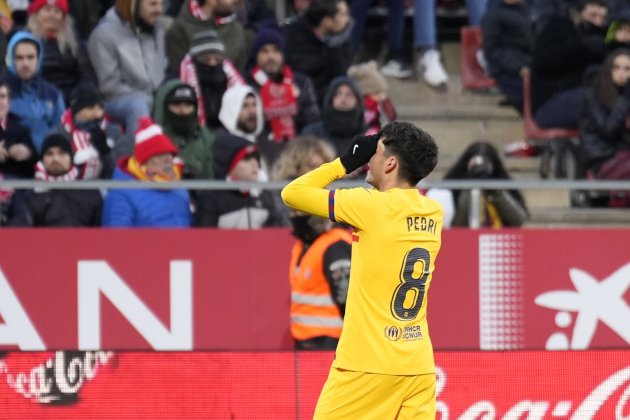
128 54
202 15
38 103
288 98
154 159
59 208
97 141
176 111
65 62
206 69
236 159
378 108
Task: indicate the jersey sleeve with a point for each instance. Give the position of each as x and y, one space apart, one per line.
354 206
308 193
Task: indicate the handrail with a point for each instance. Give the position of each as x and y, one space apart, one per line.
591 185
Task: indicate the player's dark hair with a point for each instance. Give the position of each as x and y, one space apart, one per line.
320 9
415 149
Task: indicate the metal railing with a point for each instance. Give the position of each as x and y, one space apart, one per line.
474 185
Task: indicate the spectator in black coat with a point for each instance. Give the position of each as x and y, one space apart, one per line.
65 62
17 153
604 134
59 208
318 43
563 51
507 44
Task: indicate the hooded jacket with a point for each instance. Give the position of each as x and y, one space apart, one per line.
195 144
339 127
126 60
38 103
234 209
186 25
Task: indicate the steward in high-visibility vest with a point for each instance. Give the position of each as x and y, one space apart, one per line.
319 274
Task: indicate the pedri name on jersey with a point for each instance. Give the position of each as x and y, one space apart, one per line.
421 224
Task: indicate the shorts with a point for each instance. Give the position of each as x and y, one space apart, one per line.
359 395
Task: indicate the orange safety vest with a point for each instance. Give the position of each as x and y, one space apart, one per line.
313 310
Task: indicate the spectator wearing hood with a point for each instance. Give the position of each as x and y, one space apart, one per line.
59 208
318 43
565 48
38 103
236 159
202 15
65 62
127 51
154 159
210 73
97 142
342 114
176 111
288 98
241 115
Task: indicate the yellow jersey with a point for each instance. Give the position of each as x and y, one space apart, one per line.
396 239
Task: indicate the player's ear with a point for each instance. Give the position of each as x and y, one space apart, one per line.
391 163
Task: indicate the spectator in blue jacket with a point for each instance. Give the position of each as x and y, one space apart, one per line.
154 159
37 102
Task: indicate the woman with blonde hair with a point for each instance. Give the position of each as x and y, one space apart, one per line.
64 61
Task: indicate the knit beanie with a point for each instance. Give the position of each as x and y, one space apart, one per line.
151 141
38 4
267 35
182 93
84 95
369 79
57 140
228 151
206 42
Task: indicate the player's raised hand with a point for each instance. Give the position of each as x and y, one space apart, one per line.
359 152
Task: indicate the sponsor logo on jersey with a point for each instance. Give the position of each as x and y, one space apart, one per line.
392 333
411 333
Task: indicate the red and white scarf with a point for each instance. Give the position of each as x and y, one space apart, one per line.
188 74
84 152
42 175
377 114
279 102
195 10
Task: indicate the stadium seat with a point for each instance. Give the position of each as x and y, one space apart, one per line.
473 76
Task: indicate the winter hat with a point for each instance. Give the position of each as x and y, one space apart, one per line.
370 80
84 95
151 141
57 140
206 42
228 151
182 93
38 4
267 35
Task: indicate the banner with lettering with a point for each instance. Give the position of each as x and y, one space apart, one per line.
209 289
513 385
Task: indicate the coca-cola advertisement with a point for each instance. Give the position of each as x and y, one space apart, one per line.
508 385
227 290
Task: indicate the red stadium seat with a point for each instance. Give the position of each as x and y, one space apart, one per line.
559 157
473 76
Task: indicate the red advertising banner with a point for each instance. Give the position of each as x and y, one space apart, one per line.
575 385
206 289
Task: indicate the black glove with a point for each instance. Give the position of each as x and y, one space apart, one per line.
99 140
359 152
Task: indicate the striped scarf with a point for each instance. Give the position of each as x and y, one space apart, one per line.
42 175
188 74
84 152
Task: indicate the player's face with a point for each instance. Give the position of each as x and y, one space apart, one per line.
377 165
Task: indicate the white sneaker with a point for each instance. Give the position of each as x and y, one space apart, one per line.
396 68
432 70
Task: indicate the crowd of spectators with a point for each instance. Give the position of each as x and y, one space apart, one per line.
155 90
